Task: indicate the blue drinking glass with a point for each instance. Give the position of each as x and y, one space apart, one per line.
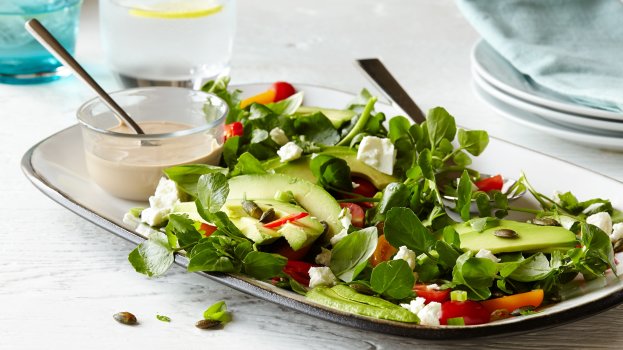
22 59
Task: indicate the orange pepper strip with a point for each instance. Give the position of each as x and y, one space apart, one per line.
265 97
514 302
383 252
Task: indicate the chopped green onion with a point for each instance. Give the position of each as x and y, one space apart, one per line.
284 196
456 321
458 295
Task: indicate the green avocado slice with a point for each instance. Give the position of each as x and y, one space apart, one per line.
329 297
531 238
337 116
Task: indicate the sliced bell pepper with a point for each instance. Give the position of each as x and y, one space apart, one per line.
515 301
285 219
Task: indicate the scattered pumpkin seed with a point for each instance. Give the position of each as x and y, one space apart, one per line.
252 209
267 216
207 324
618 246
125 317
505 233
545 222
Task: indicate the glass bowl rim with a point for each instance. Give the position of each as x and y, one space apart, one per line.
44 10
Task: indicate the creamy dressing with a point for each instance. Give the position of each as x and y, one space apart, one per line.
126 169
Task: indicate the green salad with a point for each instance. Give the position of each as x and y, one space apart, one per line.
372 215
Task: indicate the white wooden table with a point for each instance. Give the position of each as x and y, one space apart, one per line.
62 278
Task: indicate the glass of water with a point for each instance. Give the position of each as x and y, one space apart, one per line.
22 59
167 42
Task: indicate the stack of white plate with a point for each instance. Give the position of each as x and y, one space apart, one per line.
515 97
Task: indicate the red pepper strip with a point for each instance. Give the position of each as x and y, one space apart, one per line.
233 129
286 219
491 183
207 229
298 270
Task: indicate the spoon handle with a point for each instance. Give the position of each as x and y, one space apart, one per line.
385 81
38 31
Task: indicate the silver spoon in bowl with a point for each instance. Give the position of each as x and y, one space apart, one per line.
45 38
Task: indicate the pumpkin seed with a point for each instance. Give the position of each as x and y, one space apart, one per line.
252 209
125 318
267 216
545 222
505 233
618 246
207 324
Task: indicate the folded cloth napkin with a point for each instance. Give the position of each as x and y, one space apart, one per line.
572 47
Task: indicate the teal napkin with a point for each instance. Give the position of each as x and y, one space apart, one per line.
572 47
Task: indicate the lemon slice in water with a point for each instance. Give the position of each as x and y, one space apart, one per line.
179 10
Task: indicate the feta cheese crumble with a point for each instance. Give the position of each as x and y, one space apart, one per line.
617 232
161 203
278 136
486 254
407 255
601 220
415 306
430 314
378 153
289 151
321 276
324 257
345 218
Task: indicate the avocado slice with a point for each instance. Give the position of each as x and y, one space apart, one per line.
300 167
299 234
530 238
337 116
314 199
346 299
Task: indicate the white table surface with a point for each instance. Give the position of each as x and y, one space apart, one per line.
62 278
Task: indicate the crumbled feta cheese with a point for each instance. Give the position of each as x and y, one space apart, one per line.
321 276
355 185
278 136
289 151
324 258
407 255
486 254
345 217
161 203
429 315
129 219
433 286
617 232
601 220
338 237
378 153
416 305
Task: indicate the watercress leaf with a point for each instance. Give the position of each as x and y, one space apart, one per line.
398 127
424 161
427 269
464 196
225 226
287 106
219 306
248 165
402 227
405 155
445 147
331 172
219 88
396 194
473 141
359 102
263 265
462 159
350 255
230 151
186 176
317 128
441 125
534 268
597 249
374 126
451 237
483 202
152 257
476 275
393 279
262 150
447 254
212 191
210 260
419 136
183 229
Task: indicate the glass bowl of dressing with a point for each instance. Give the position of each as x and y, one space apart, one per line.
181 126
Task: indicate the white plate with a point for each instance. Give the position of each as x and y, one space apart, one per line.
581 123
500 73
63 177
535 122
